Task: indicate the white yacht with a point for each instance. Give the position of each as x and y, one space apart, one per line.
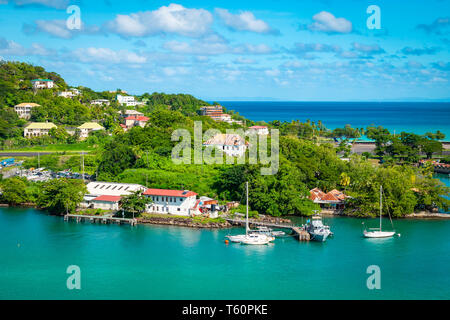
250 237
378 232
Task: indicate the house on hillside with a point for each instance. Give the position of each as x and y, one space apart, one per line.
87 127
231 144
73 92
23 110
178 202
260 130
42 83
133 121
101 102
38 129
130 113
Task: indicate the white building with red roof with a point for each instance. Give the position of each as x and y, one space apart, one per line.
262 130
177 202
132 121
231 144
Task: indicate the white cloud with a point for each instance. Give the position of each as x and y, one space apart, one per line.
244 21
242 60
326 22
58 28
107 55
171 19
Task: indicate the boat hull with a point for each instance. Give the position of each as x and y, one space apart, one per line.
379 234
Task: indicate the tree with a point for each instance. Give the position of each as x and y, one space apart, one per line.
431 146
14 191
61 196
134 203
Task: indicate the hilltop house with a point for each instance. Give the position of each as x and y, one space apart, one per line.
100 102
216 113
38 129
231 144
73 92
23 110
178 202
260 130
42 83
129 101
88 127
131 113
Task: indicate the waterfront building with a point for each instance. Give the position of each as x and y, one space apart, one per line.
87 127
42 83
260 130
231 144
334 199
23 110
106 202
38 129
101 194
177 202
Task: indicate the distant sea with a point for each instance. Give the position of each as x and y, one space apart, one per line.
417 117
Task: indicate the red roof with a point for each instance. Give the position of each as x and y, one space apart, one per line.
108 198
169 193
138 118
258 127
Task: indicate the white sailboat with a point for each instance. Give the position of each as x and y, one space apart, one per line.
250 237
378 232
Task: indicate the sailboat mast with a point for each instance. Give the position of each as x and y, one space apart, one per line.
246 215
381 204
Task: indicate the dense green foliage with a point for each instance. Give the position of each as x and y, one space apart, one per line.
308 155
61 196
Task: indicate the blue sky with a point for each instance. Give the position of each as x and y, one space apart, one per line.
230 50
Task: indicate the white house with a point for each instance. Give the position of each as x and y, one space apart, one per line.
88 127
231 144
73 92
177 202
129 101
260 130
23 110
38 129
106 202
42 83
107 194
101 102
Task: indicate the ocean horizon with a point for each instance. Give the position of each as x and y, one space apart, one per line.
416 117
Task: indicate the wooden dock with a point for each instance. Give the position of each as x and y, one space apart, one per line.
298 232
99 219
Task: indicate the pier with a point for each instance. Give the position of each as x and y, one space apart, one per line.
298 232
99 219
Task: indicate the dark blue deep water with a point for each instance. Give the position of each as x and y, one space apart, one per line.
417 117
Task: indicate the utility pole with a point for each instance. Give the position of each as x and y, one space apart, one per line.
82 165
39 161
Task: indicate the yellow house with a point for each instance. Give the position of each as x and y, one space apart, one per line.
88 127
38 129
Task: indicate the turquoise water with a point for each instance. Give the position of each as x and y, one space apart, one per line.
417 117
158 262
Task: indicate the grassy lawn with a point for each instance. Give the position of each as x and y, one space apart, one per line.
82 146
